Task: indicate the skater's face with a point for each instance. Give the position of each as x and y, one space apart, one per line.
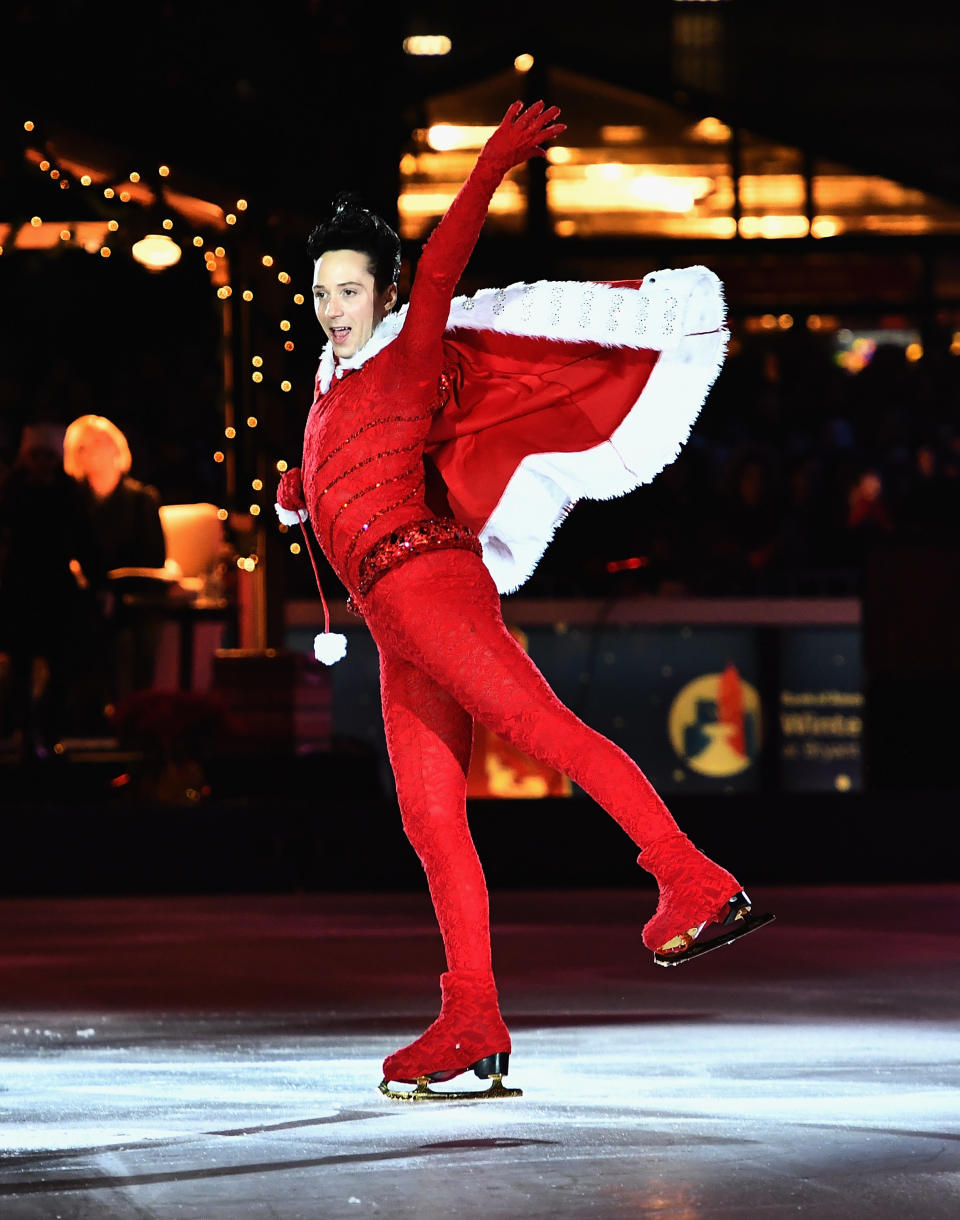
349 308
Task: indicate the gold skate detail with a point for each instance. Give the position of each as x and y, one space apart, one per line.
423 1092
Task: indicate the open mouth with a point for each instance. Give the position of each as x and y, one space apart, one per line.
339 334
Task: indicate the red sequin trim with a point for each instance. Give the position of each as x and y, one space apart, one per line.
434 534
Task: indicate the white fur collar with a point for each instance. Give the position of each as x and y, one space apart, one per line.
385 334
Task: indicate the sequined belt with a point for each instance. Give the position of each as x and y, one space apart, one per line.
434 534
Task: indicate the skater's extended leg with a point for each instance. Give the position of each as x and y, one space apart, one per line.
442 613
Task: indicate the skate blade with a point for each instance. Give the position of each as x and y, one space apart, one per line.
423 1092
744 923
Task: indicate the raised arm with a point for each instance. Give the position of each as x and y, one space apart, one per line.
519 137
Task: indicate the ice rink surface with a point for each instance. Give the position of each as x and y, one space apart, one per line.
216 1058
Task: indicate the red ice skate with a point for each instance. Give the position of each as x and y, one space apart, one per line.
701 905
469 1035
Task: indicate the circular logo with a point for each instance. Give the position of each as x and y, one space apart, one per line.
714 724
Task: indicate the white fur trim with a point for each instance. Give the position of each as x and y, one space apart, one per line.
291 516
546 486
385 333
329 647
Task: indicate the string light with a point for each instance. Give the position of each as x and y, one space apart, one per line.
224 292
105 251
252 421
222 514
294 548
284 325
257 377
230 433
288 346
198 241
286 387
220 252
281 465
247 294
254 510
168 224
44 166
230 218
257 362
113 225
36 221
283 277
267 260
28 125
257 484
108 192
64 234
218 456
134 177
298 298
54 174
85 180
124 196
163 171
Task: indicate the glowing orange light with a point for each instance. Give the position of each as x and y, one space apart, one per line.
281 465
113 225
229 433
294 548
218 456
523 63
104 251
284 325
254 510
252 421
257 362
257 377
108 192
224 292
222 514
230 218
36 221
124 196
247 294
267 260
241 205
28 125
198 241
286 387
298 298
283 277
220 252
168 224
134 177
163 171
257 484
85 180
44 165
288 346
54 174
64 234
156 252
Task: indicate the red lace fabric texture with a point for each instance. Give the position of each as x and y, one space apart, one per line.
468 1028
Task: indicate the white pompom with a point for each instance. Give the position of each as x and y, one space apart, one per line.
329 647
291 516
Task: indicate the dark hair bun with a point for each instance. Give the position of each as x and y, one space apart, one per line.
353 227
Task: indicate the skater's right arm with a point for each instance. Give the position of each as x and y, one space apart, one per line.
519 137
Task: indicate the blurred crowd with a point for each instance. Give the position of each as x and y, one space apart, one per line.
797 472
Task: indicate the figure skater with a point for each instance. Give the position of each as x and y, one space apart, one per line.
443 447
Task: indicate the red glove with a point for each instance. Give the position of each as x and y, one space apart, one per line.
290 498
520 135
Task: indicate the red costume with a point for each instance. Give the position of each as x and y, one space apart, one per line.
518 425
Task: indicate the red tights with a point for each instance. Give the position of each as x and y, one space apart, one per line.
446 659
